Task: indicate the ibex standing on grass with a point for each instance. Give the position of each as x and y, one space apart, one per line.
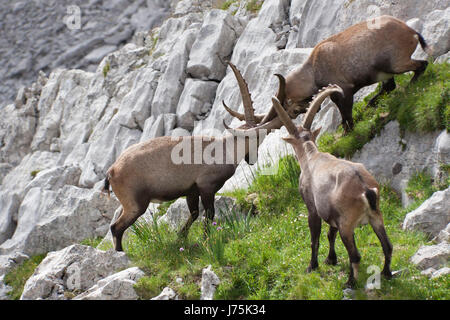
342 193
146 172
361 55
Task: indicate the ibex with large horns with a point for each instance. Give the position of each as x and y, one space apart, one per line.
364 54
342 193
151 171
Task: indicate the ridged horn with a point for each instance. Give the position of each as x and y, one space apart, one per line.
235 114
284 117
281 95
317 102
249 112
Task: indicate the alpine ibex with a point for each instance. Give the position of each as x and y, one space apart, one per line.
147 172
359 56
342 193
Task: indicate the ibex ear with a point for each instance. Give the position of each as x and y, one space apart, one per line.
289 139
315 134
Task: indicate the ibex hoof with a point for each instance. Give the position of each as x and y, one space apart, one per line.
330 261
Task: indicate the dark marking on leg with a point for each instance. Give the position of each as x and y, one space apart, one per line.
386 87
315 225
332 258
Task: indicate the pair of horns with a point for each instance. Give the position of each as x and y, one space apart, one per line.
249 116
312 110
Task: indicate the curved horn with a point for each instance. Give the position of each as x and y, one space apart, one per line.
281 95
249 112
317 102
235 114
284 117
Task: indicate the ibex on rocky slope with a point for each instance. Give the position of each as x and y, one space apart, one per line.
151 171
342 193
357 57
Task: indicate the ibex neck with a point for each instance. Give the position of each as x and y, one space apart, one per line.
305 153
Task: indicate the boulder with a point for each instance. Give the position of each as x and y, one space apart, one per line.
213 45
50 220
432 216
178 212
444 235
167 294
408 154
73 269
435 256
195 102
118 286
209 283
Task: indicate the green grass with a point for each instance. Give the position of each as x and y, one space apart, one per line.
18 276
106 69
226 5
254 5
265 255
423 106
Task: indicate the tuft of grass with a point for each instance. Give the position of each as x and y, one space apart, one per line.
18 276
226 5
92 242
264 256
34 173
423 106
106 69
254 5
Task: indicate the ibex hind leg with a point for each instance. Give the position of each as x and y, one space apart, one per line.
332 258
378 227
345 106
387 86
128 216
348 238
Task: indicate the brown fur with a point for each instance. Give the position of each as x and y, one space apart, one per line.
336 191
357 57
146 172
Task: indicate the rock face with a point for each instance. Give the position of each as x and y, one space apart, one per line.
408 155
71 34
127 83
75 268
432 216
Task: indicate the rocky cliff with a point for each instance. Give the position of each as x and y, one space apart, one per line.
117 81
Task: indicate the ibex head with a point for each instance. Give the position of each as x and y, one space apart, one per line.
303 133
253 122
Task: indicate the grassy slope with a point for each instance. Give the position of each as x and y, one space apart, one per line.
265 255
420 107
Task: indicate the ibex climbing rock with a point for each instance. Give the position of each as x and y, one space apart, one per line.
361 55
147 172
342 193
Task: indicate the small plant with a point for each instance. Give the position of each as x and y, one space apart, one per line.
254 5
421 186
226 5
92 242
34 173
17 277
106 69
